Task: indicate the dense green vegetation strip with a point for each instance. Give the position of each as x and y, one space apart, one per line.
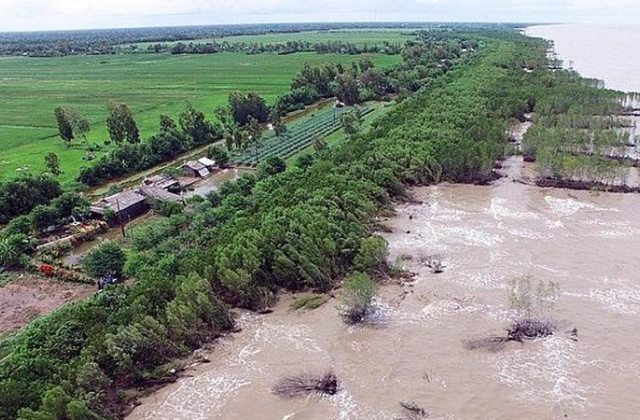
306 227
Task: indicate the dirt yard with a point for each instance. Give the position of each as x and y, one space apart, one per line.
28 296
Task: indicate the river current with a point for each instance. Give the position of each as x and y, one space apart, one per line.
413 347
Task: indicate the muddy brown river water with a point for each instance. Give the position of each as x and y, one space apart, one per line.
412 348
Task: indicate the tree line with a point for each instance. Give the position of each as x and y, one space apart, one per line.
122 41
578 138
173 138
21 195
280 48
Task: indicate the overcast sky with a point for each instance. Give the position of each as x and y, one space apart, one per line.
31 15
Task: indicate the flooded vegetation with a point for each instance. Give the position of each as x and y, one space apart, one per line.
583 143
413 348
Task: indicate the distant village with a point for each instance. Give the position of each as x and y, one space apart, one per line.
132 202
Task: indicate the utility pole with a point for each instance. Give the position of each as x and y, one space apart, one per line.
256 151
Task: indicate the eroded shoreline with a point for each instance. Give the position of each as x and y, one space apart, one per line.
413 349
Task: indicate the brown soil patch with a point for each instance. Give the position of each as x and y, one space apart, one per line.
29 295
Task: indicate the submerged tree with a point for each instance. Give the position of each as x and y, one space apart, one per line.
532 305
306 383
357 298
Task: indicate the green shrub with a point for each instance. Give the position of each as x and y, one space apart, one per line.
104 259
358 291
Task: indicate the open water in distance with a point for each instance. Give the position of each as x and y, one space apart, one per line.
607 52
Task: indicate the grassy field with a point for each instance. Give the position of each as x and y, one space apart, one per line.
358 37
31 88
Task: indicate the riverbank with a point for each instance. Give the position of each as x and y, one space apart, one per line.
486 236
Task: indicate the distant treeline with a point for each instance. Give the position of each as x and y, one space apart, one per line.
112 41
289 47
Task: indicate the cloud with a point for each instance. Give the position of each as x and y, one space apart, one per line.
49 14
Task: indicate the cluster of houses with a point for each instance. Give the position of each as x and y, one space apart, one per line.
132 202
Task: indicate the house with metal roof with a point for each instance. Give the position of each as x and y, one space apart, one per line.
194 169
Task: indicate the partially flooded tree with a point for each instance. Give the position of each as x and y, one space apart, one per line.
412 411
532 305
433 262
357 298
306 383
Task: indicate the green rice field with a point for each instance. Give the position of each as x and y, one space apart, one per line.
151 84
358 37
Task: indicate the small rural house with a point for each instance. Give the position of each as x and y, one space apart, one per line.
125 205
208 163
163 181
194 169
160 194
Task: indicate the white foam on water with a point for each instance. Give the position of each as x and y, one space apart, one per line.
443 208
545 372
432 312
291 337
480 281
500 314
569 206
446 213
549 269
499 211
443 217
347 408
345 405
619 234
245 358
498 255
606 223
469 236
529 234
621 296
554 224
199 398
